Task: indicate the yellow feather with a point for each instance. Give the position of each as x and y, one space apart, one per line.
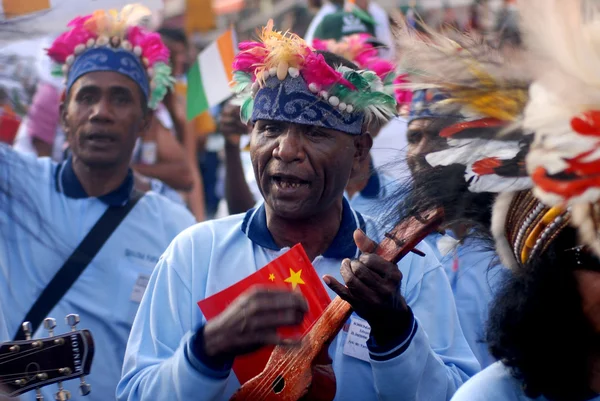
283 49
473 74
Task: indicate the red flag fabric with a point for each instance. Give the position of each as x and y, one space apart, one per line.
292 270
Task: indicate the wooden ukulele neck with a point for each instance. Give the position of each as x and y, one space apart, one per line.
396 244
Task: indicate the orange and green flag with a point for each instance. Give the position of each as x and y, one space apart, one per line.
209 78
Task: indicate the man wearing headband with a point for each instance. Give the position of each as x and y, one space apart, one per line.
309 112
115 74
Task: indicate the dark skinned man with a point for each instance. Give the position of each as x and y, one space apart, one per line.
107 106
306 141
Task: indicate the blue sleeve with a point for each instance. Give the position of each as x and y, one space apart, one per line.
494 382
433 360
159 364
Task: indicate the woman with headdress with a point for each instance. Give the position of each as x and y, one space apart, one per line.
544 325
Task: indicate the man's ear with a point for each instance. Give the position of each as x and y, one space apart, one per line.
147 120
62 109
362 144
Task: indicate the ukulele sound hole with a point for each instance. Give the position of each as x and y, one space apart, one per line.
278 384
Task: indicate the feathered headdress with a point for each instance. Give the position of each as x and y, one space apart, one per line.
112 40
563 38
477 79
560 122
281 77
483 89
362 51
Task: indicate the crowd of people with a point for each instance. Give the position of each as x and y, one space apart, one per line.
115 207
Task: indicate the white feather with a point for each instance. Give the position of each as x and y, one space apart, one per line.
559 34
563 38
468 151
499 213
495 183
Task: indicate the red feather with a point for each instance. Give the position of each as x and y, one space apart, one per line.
486 166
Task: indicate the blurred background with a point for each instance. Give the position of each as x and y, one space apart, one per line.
29 26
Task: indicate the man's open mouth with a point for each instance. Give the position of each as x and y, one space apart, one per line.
289 182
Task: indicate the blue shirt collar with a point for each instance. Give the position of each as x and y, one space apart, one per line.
68 183
342 246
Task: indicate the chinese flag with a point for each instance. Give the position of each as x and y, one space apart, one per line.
292 271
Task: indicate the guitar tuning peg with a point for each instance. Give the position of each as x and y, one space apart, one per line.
27 329
72 320
84 388
50 324
62 394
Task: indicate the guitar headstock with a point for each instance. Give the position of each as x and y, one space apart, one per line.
33 363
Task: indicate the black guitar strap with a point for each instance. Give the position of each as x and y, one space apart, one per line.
76 263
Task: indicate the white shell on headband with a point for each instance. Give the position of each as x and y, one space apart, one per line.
79 48
294 72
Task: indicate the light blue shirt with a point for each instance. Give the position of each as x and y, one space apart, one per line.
497 384
39 234
429 364
474 275
3 330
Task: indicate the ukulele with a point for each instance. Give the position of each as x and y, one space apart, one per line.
289 373
31 364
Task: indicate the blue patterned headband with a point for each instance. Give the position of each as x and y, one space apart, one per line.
291 100
424 102
109 59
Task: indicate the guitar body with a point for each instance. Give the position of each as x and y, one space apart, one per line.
305 381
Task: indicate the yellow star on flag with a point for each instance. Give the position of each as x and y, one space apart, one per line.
295 278
272 277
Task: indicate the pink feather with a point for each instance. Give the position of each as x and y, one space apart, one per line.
379 66
251 54
151 43
65 44
248 45
403 96
316 70
319 44
79 21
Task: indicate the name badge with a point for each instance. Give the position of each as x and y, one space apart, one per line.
139 288
356 340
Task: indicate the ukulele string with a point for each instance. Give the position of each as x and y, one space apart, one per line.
12 358
262 389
